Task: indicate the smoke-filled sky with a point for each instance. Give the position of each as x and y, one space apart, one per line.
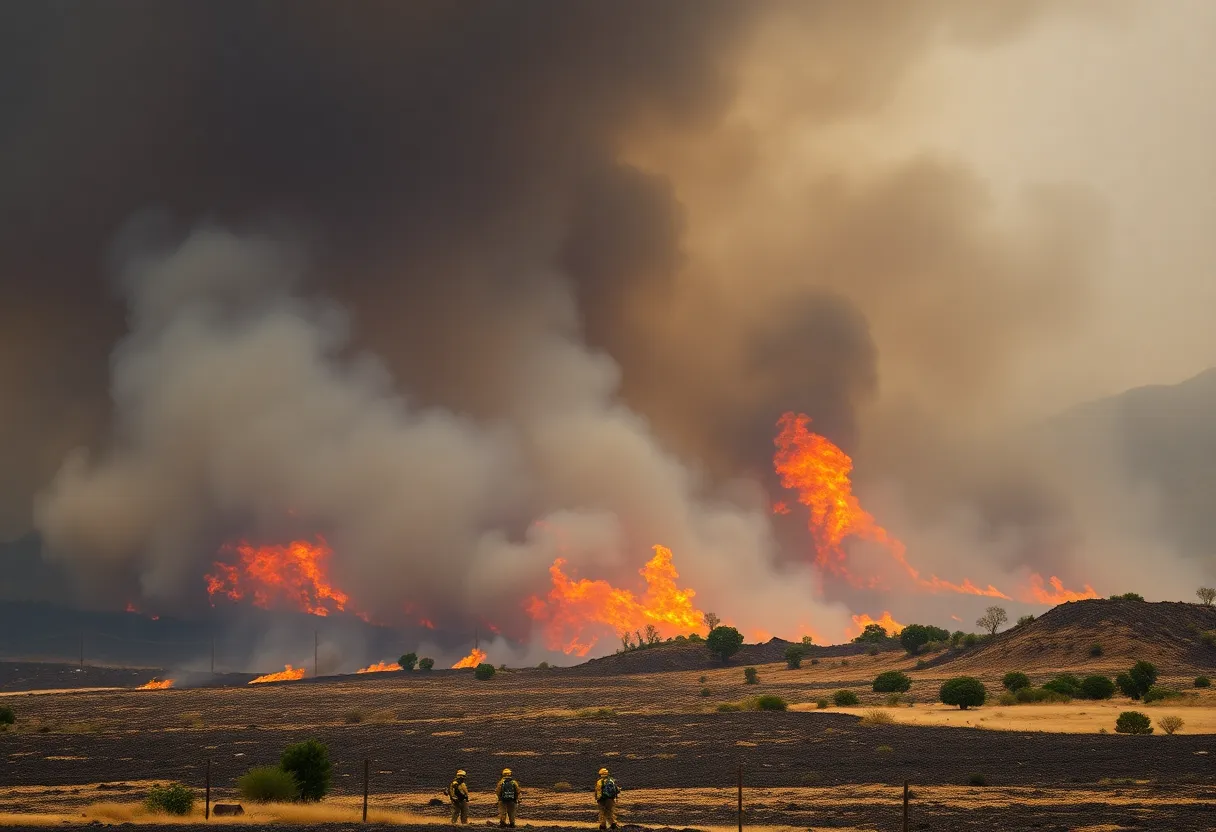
419 275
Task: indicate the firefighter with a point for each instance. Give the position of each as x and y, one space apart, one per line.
458 793
508 792
606 792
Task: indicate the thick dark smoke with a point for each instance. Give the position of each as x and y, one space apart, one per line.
493 263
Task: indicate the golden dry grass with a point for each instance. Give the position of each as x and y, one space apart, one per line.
1079 717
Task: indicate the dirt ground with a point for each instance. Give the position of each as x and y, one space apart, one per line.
676 755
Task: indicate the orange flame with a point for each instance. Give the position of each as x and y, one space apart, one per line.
287 674
296 574
425 622
885 621
472 660
155 685
819 471
1037 593
575 608
381 667
131 607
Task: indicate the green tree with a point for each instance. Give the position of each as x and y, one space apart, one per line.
1206 595
724 642
892 682
913 637
749 676
309 763
964 691
1144 674
1133 722
711 622
845 699
408 661
1097 687
1128 596
1015 681
793 657
7 717
483 672
175 799
426 663
1127 686
872 634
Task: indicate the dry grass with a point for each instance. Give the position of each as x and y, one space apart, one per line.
876 716
1078 717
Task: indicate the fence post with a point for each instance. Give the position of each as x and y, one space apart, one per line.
905 806
207 809
365 787
740 797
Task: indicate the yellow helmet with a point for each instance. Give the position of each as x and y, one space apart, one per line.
603 772
460 772
506 772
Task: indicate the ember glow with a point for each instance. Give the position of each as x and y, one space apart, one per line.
885 621
472 660
287 674
381 667
1057 594
576 614
295 575
156 685
819 471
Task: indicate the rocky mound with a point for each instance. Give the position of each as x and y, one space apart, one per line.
1099 636
695 656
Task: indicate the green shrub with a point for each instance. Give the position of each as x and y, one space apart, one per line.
724 642
1097 687
749 676
845 699
175 799
1024 620
695 638
822 704
1126 686
1209 638
844 662
793 657
769 702
309 763
977 780
921 663
1036 695
353 717
1133 722
1156 694
268 784
1066 684
543 666
408 661
873 651
970 640
1200 682
872 634
1144 674
426 663
483 672
964 691
7 717
884 749
892 681
1015 681
1095 651
1128 596
1008 698
562 786
1170 723
729 707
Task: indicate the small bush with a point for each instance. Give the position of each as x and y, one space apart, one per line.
845 699
309 763
703 679
705 692
970 640
749 676
1200 682
176 799
1097 687
1133 722
1007 698
814 662
729 707
268 784
562 786
1015 681
769 702
1095 651
1156 694
977 780
353 717
1126 686
408 661
844 662
1170 723
873 651
822 704
1066 684
1038 695
793 657
1144 674
426 663
892 682
874 716
1209 638
1128 596
964 691
894 700
1024 620
921 663
543 666
884 749
483 672
7 717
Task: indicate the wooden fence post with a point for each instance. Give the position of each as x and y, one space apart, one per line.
740 797
365 787
905 806
207 808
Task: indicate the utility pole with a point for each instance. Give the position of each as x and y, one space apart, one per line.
316 652
740 797
82 649
212 654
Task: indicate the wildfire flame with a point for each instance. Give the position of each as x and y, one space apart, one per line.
1037 593
131 607
885 621
295 574
818 470
472 660
381 667
155 685
287 674
573 608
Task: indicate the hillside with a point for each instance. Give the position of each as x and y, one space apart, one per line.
695 656
1167 633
